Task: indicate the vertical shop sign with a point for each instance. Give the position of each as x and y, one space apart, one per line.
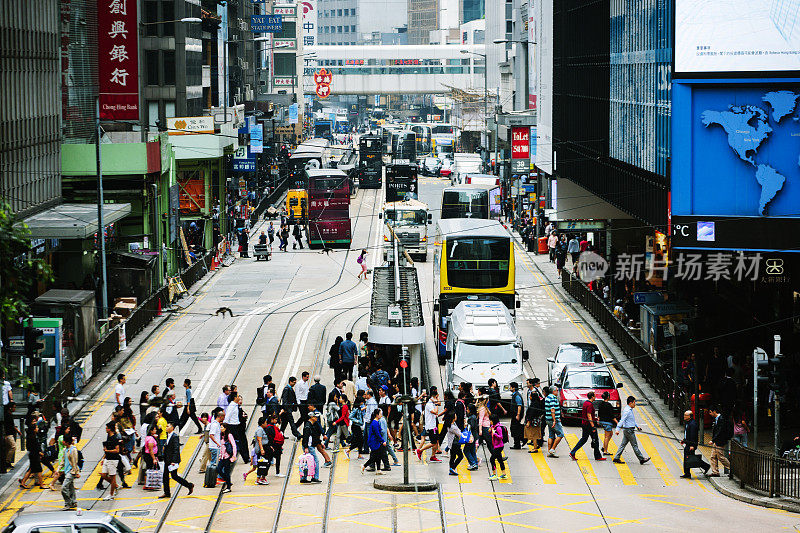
117 59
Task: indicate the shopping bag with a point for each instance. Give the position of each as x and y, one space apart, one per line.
152 479
465 437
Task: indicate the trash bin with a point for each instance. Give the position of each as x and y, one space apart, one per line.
543 245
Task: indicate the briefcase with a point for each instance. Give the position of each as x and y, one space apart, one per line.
693 461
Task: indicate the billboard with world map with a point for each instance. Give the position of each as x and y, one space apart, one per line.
736 156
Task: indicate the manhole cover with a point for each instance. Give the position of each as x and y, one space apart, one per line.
135 513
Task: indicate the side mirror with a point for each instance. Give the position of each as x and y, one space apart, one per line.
380 215
430 222
436 307
448 354
525 355
551 359
518 304
430 216
619 385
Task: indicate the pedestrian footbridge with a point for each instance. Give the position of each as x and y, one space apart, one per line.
405 69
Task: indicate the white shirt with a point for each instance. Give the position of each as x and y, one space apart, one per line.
6 390
301 390
119 393
215 430
232 414
361 383
222 400
371 405
431 420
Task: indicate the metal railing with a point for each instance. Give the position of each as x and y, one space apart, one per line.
108 345
656 374
765 472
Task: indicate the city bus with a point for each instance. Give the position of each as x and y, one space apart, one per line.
473 258
471 201
423 138
370 169
328 208
404 145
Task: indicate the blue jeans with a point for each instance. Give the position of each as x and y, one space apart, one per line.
214 456
469 453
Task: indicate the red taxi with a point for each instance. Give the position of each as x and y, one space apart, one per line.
575 382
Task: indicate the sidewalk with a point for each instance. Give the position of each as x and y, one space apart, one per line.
671 425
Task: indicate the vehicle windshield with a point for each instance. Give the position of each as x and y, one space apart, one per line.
468 353
478 262
312 161
588 379
575 354
406 217
465 204
327 183
120 526
442 129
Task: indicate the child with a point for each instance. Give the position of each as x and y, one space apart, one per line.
362 260
498 436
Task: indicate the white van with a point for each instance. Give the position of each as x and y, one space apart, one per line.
464 163
483 343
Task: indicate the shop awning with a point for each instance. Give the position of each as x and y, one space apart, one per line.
73 221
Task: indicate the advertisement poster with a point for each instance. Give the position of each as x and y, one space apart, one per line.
118 59
293 112
544 85
257 139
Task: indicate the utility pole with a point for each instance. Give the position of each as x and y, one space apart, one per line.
778 389
100 225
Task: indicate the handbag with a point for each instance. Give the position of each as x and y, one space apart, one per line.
466 437
693 461
152 480
126 463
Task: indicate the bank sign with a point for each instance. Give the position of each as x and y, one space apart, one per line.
118 59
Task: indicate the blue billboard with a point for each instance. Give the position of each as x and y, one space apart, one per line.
266 23
736 149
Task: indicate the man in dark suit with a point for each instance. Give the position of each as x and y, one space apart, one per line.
690 441
172 457
288 407
316 395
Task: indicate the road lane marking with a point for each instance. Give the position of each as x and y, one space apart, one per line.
583 461
464 475
655 458
623 469
541 465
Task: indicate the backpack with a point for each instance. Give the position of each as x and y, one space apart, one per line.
360 259
505 433
80 460
278 439
228 448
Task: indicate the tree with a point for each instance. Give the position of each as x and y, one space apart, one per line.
18 272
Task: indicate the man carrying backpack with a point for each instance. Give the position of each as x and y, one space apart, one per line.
276 440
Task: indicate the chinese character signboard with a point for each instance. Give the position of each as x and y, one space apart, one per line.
309 22
117 59
285 11
323 79
266 23
243 160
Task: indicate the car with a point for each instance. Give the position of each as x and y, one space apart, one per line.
575 382
430 166
573 352
66 522
447 168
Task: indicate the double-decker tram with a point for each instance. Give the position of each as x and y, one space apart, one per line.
370 164
328 208
473 258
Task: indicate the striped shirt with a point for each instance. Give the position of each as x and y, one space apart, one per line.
551 402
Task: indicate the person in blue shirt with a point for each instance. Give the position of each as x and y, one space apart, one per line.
347 356
376 443
629 426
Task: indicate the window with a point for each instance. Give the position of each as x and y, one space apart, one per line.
152 113
151 67
93 529
168 13
478 262
353 12
289 31
151 15
339 12
285 65
509 27
347 29
169 67
52 529
353 29
346 12
338 29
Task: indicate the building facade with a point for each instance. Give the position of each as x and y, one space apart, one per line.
30 106
423 17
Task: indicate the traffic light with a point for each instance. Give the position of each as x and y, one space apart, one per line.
777 375
33 344
762 366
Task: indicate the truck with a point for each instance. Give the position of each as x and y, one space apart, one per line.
483 343
409 219
464 164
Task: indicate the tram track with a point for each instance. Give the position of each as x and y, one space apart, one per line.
319 297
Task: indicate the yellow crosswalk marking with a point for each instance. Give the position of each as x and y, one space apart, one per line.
583 461
342 472
623 469
294 475
655 458
541 465
464 475
91 481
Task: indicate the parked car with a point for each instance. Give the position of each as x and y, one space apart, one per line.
575 382
66 522
573 352
446 169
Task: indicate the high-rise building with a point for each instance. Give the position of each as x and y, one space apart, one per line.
423 16
30 105
472 10
346 22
